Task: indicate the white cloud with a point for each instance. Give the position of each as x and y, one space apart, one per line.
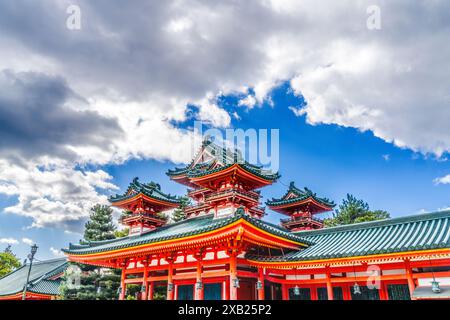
249 101
56 196
297 111
349 75
28 241
56 252
442 180
9 240
139 67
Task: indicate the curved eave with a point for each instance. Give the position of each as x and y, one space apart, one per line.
251 232
223 171
392 256
30 296
283 205
184 180
175 173
124 201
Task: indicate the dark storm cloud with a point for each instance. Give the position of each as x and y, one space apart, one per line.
142 62
129 48
36 119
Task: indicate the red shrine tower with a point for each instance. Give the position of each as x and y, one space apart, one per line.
221 182
224 251
145 204
300 206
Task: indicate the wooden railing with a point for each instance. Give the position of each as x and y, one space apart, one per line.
231 192
301 219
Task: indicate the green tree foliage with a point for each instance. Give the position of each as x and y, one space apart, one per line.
133 290
122 233
353 210
178 214
8 261
100 225
160 293
95 283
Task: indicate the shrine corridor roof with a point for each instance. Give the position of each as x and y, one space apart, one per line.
40 278
411 233
180 230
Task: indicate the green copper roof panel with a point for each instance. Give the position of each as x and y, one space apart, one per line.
14 282
300 196
225 157
185 228
418 232
151 189
46 287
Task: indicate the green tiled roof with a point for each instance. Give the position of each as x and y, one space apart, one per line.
220 154
151 189
411 233
41 272
185 228
50 287
225 157
301 195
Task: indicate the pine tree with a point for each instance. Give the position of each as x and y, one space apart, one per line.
100 225
353 210
95 283
178 214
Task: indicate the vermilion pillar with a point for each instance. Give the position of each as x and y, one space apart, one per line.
123 286
150 290
144 282
383 291
314 295
284 292
329 286
261 279
233 276
170 286
410 279
226 290
346 292
199 290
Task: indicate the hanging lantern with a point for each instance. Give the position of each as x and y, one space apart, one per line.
356 288
198 285
236 283
435 286
170 287
119 290
259 285
99 290
142 288
296 291
296 288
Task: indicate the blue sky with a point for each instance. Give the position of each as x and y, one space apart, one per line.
329 159
87 106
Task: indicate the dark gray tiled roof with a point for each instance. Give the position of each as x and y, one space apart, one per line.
14 282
